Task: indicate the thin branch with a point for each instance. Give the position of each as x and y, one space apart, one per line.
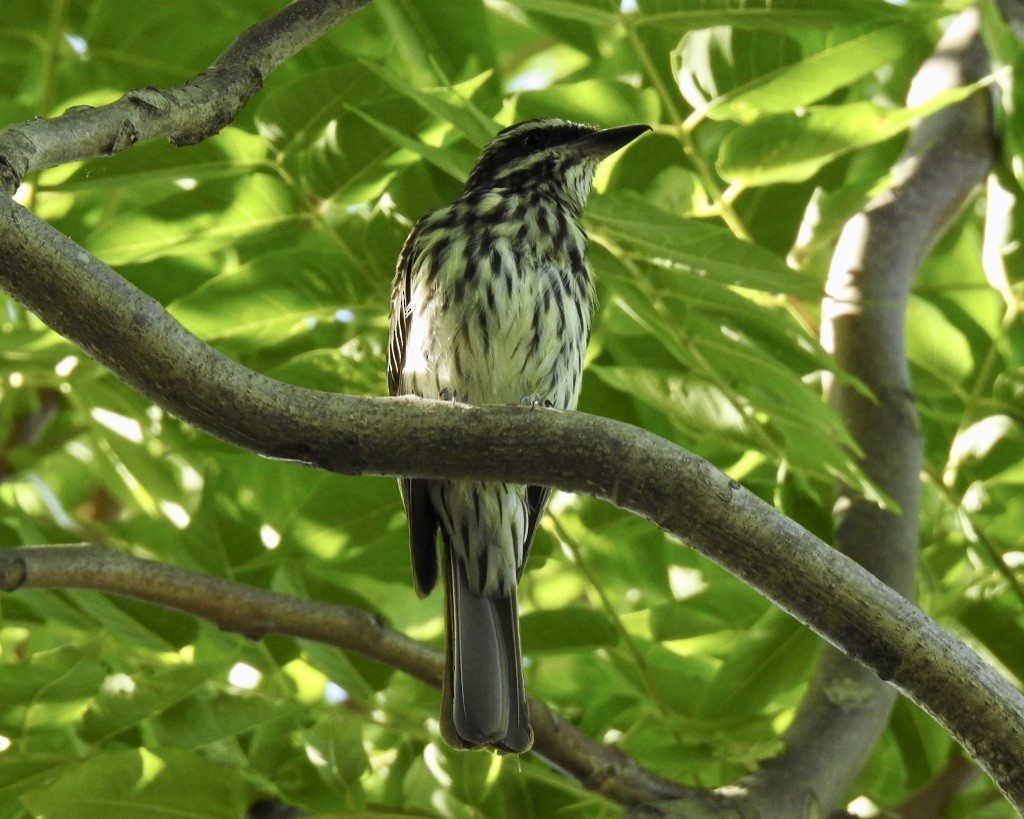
184 115
934 796
256 612
874 266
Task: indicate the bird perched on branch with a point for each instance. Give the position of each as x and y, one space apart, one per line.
492 303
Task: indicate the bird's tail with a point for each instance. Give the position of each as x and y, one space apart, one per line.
483 699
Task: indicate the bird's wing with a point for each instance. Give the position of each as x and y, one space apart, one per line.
536 500
423 522
399 326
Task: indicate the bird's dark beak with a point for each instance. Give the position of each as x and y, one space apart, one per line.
605 143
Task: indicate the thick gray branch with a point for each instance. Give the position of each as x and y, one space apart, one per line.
256 612
873 268
131 334
184 115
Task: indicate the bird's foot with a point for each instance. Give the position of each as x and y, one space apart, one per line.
448 394
534 401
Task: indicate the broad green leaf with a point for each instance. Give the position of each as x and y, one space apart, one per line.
689 401
723 608
694 246
444 39
575 10
804 81
125 702
713 65
158 164
923 748
935 344
794 147
324 144
50 689
771 15
568 629
266 298
476 126
773 657
22 772
214 216
599 102
339 744
157 44
987 447
455 164
120 784
194 723
998 627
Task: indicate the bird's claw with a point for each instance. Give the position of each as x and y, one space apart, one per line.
448 394
534 401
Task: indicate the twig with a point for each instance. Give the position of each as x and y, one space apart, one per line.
184 115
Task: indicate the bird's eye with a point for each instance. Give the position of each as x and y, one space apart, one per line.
533 140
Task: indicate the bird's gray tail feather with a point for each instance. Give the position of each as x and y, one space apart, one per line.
483 699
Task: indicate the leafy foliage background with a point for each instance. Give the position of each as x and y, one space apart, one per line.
276 242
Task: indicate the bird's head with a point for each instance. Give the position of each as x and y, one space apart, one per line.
550 156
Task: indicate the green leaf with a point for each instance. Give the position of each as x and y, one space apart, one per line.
582 12
773 658
121 784
455 164
713 65
690 402
265 299
935 344
199 722
158 164
333 153
771 15
800 82
446 104
215 215
339 744
987 447
997 626
724 608
443 39
125 702
568 629
693 245
794 147
601 102
51 689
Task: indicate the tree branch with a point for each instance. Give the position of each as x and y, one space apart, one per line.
184 115
873 268
934 796
256 612
130 333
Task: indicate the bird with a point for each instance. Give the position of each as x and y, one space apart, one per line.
492 303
